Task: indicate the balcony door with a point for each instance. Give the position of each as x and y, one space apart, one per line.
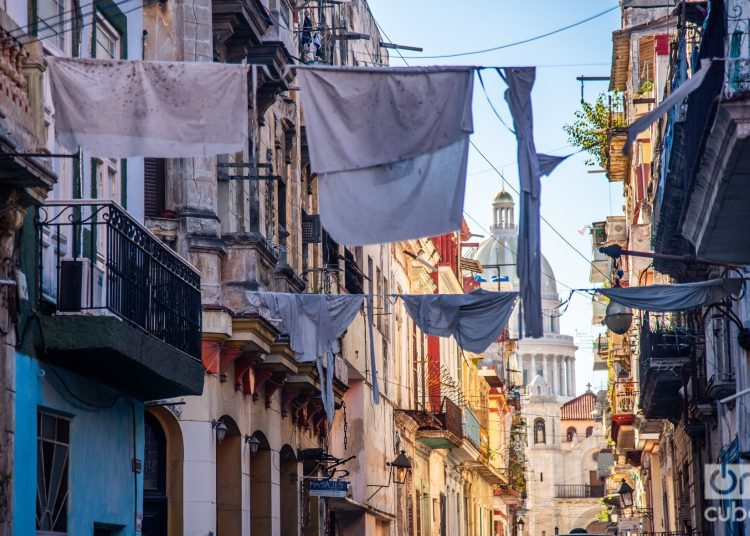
155 504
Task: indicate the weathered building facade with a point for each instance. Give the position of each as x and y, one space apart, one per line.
678 380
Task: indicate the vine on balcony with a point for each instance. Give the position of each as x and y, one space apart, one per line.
590 129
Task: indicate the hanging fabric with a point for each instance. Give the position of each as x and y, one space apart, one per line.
390 146
475 320
674 98
314 322
122 108
671 298
529 259
548 162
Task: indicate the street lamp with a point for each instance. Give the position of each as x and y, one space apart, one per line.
400 467
626 494
618 318
520 524
254 443
221 430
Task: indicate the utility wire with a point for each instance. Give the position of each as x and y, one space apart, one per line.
499 173
515 43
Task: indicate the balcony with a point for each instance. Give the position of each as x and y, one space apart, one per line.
578 491
237 24
442 430
601 352
119 306
666 359
21 119
703 202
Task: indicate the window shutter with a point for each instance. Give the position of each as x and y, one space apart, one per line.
310 228
154 174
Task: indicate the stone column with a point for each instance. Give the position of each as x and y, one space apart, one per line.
544 367
555 375
571 374
562 371
532 372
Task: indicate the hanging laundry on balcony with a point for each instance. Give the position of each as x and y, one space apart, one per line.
674 98
118 108
390 146
314 322
475 320
520 80
678 297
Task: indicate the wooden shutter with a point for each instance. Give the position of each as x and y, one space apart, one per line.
154 174
310 228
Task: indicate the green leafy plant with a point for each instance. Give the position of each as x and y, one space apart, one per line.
590 128
646 87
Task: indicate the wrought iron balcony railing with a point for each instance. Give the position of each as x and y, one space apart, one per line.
95 259
624 398
578 491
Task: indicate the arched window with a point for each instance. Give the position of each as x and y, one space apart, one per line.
570 435
539 431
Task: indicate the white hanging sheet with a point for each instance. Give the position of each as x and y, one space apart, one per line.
314 323
529 255
677 297
122 108
390 147
475 320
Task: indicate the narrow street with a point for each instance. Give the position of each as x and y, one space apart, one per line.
268 270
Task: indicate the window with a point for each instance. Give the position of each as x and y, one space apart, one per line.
154 176
570 435
589 431
541 477
106 39
378 305
51 22
539 431
53 442
386 309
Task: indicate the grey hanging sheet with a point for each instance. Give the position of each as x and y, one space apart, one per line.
122 108
529 255
678 297
390 147
475 320
314 323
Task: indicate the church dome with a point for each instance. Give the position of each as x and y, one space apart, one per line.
503 197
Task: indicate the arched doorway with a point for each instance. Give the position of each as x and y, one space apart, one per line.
261 520
155 499
229 481
289 492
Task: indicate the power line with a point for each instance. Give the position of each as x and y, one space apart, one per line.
503 177
515 43
499 173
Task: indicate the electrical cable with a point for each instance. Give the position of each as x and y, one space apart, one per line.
503 177
515 43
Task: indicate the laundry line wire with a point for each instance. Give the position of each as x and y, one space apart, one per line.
502 177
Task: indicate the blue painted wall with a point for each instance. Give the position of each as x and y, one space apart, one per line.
101 449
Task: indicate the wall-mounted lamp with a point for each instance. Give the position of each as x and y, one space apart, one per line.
254 444
221 430
520 524
626 494
400 467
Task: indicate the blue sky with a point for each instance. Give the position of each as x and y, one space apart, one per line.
572 197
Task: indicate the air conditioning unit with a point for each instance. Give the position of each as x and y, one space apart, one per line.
81 288
617 230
